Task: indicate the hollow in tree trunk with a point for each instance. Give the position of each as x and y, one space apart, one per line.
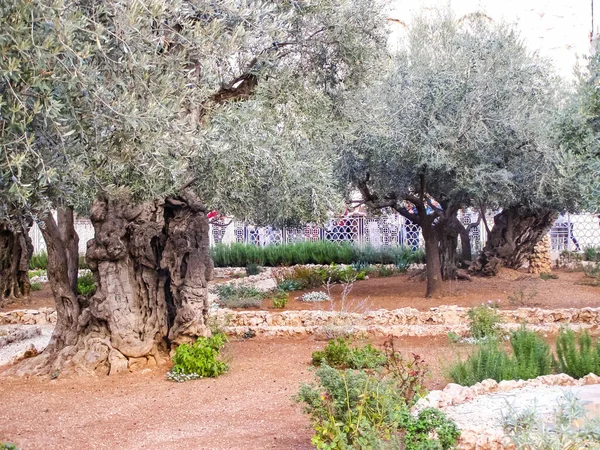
151 265
515 233
15 252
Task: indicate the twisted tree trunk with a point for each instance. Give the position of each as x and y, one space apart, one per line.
515 234
15 252
151 265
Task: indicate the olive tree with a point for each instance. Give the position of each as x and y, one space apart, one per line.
155 110
459 120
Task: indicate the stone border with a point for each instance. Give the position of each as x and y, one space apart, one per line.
43 316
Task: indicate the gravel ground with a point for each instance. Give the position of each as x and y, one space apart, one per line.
40 341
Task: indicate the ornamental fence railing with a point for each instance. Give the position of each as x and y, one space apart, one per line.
570 232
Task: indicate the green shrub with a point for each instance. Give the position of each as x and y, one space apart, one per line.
577 354
37 286
238 296
384 271
487 361
484 320
86 285
339 354
353 409
199 360
281 300
7 446
252 269
593 272
323 252
531 353
39 261
289 285
530 358
592 254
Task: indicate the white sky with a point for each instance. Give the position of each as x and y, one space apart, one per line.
558 29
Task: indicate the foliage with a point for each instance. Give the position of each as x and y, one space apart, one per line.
430 421
199 360
592 254
593 272
238 296
289 284
570 428
531 354
36 286
339 354
423 132
86 285
281 299
577 354
530 359
39 261
371 410
453 337
315 297
7 446
484 320
252 269
322 252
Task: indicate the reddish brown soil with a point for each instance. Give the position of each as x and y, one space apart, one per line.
403 291
38 299
250 407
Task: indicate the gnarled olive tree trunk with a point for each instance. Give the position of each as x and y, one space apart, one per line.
151 265
512 239
15 252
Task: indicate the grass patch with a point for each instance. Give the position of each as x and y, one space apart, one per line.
240 296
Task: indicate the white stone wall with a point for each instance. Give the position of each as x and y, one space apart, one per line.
558 29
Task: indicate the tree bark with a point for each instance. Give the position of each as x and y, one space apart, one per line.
512 239
15 252
68 235
432 258
151 265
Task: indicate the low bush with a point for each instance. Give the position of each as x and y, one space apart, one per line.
39 261
484 320
356 409
593 272
592 254
86 285
281 299
288 285
531 352
7 446
36 286
322 252
198 360
577 354
252 269
340 354
238 296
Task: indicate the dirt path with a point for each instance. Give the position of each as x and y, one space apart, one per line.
248 408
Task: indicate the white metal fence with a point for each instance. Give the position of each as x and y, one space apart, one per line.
570 232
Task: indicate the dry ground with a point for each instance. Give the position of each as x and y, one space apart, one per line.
250 407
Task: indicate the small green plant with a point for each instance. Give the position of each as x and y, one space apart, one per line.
36 286
289 285
339 354
198 360
7 446
430 422
86 285
569 429
39 261
281 300
453 337
484 320
36 273
238 296
384 271
577 354
548 276
531 354
593 272
592 254
252 269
